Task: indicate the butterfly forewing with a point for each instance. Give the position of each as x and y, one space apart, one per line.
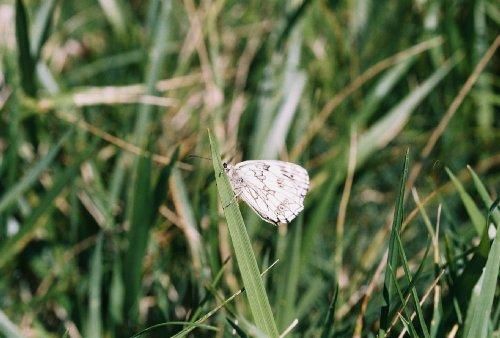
275 190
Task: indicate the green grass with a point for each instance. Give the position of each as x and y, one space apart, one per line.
110 228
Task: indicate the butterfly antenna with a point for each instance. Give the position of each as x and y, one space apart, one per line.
205 158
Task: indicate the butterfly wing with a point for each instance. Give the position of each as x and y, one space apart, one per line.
275 190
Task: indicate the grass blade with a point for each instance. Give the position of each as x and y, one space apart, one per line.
413 290
26 61
330 315
8 328
154 71
406 320
381 133
289 286
94 325
481 189
488 283
393 254
41 27
141 219
257 297
475 215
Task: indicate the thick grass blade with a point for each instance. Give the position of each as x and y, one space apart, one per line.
41 27
381 90
140 221
481 189
292 88
289 285
26 60
386 129
8 328
483 91
464 283
141 195
145 203
114 10
154 72
481 310
474 213
257 297
94 324
388 292
117 291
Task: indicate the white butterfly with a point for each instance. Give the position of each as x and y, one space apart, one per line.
275 190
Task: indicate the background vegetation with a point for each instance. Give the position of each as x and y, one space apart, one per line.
108 226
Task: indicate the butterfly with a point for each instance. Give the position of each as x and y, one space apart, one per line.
275 190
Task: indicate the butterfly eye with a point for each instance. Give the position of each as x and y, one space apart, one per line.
224 165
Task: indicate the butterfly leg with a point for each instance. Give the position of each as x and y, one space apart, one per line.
235 197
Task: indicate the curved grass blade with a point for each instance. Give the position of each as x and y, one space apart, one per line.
154 327
475 215
481 189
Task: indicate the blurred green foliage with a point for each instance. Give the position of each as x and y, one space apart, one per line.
110 228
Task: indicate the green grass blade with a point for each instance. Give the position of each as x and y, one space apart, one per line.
154 72
8 328
257 297
94 325
488 284
26 60
330 315
140 221
114 10
145 203
289 286
31 176
382 132
41 27
393 254
481 189
117 291
239 331
410 281
381 90
474 213
407 320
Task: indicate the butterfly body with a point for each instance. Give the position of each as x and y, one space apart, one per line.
275 190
